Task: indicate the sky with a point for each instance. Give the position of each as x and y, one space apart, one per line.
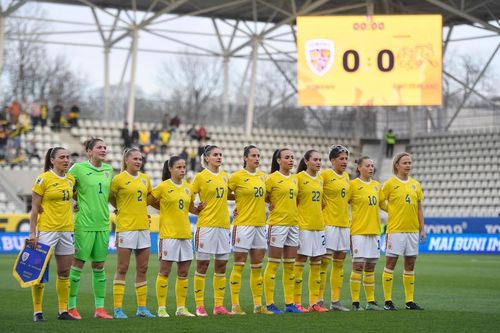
89 60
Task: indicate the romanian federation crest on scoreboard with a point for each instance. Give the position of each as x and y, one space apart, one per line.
319 55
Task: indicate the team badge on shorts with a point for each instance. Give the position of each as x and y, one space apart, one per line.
356 251
201 245
273 238
389 246
121 240
237 240
165 253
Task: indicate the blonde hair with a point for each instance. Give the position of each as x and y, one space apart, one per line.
126 153
396 159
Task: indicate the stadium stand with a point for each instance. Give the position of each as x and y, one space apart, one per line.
459 172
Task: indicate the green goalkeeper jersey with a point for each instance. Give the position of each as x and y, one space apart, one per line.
92 188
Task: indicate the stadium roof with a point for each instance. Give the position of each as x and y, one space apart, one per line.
454 12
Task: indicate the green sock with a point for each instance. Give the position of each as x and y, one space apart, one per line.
74 284
99 286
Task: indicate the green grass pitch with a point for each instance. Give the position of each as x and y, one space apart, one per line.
460 293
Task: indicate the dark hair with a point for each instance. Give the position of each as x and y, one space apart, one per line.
302 164
336 150
90 143
207 150
359 162
274 162
246 151
396 160
126 153
169 164
51 153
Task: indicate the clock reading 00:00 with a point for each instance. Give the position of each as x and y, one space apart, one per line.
354 55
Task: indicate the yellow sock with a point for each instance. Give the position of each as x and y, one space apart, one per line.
199 289
336 279
325 262
387 277
181 289
355 283
298 270
219 288
288 280
235 282
118 292
409 284
141 293
37 296
369 285
270 279
161 290
62 289
314 282
256 283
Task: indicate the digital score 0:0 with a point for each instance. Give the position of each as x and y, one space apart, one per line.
369 60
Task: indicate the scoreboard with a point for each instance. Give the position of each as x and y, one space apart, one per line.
369 60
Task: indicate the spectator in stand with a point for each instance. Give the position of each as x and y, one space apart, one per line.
193 159
155 135
44 114
184 155
32 150
164 140
126 136
144 139
4 136
56 119
390 141
175 122
3 115
14 111
165 122
202 133
36 112
135 135
191 132
73 116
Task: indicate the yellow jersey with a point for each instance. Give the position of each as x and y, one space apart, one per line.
283 197
56 193
336 190
174 209
403 198
310 201
131 195
250 196
365 199
212 189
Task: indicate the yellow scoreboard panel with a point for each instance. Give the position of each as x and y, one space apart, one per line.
369 60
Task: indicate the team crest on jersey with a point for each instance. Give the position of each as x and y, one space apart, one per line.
39 181
321 183
295 182
376 188
25 256
187 191
106 174
262 179
224 179
144 181
346 180
70 183
414 187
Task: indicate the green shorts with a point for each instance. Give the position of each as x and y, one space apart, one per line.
91 245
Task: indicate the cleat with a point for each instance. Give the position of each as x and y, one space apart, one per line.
301 308
101 313
291 308
221 310
389 306
274 309
119 314
74 313
262 310
317 308
201 312
413 306
143 312
183 312
356 306
39 318
162 312
337 306
373 306
65 316
237 310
